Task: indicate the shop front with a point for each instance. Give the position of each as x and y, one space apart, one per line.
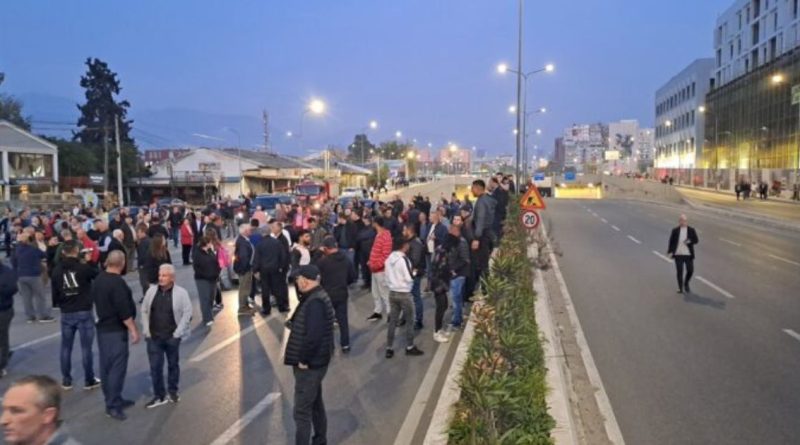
28 164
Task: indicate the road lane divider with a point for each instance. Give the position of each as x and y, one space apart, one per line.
792 334
776 257
615 228
234 430
662 256
734 243
634 240
36 341
224 343
716 288
604 220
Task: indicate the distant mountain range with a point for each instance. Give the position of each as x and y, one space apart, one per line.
152 128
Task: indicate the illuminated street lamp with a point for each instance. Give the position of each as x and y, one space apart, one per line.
512 109
373 124
777 79
315 106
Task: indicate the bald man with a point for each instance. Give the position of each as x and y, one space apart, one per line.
681 249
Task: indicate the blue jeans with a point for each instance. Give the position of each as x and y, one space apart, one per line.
416 292
113 348
457 294
82 322
156 350
175 235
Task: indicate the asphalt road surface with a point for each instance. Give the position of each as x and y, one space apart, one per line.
773 208
718 366
234 387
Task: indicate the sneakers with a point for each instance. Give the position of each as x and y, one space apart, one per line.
116 414
127 403
440 337
687 288
156 402
389 353
218 306
413 351
375 317
345 349
66 385
94 384
209 323
31 320
418 325
174 397
47 320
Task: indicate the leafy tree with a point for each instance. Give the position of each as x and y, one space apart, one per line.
359 150
393 149
11 109
75 158
372 180
97 120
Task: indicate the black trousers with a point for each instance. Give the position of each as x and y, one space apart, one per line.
309 408
340 309
274 283
113 348
681 262
441 306
186 249
482 259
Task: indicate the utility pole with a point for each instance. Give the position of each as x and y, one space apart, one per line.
265 117
105 157
119 161
519 97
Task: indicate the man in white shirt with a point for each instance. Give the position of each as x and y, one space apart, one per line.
399 280
681 248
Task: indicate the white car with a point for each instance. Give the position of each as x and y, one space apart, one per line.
350 192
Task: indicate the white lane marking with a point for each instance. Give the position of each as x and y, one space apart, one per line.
601 396
662 256
233 431
233 338
424 395
792 334
615 228
604 220
730 242
716 288
634 240
589 210
36 342
795 263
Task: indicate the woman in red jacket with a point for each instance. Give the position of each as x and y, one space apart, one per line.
187 239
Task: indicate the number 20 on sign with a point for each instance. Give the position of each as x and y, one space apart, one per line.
530 219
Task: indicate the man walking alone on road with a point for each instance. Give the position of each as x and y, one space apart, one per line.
308 351
681 249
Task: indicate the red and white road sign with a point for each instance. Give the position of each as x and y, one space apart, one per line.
530 219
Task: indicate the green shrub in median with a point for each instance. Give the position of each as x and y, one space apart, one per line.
503 380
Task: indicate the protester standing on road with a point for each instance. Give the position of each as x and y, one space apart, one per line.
157 254
71 288
337 273
381 249
32 413
142 253
27 262
309 351
441 275
365 239
483 233
681 249
129 241
416 255
458 260
206 274
187 240
269 261
400 281
8 287
175 221
166 320
115 311
243 266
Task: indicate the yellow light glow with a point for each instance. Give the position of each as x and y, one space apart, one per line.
316 106
777 78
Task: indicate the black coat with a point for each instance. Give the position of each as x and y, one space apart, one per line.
311 331
691 236
8 287
336 274
270 256
72 284
205 264
243 254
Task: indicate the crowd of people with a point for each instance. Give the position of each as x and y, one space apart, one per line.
399 251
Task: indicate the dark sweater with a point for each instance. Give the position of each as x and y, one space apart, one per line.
205 264
8 287
27 260
113 301
336 274
71 285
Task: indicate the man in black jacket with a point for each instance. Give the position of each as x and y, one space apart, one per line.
681 249
309 351
337 274
8 287
269 261
416 254
501 197
71 287
142 249
243 266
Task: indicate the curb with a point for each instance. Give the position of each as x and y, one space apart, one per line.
451 390
557 396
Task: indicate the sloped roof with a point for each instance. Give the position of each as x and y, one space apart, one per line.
13 137
344 167
271 160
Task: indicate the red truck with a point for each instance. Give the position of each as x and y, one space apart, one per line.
315 192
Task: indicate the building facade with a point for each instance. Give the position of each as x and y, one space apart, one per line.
584 146
28 164
680 122
752 33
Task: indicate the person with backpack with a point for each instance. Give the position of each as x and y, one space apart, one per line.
71 287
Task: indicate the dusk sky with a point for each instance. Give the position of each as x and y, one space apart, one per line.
425 67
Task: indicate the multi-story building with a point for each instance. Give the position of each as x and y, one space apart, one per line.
584 146
644 152
679 132
752 33
559 153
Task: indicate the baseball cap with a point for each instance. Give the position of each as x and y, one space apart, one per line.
308 271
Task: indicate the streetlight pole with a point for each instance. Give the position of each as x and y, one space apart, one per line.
519 94
239 155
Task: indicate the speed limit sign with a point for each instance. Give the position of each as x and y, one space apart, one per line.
530 219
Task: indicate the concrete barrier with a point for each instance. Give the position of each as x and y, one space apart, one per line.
627 188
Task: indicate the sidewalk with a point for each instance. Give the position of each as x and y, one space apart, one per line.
776 209
784 198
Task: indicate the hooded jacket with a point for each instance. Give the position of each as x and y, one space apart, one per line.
336 274
398 272
71 285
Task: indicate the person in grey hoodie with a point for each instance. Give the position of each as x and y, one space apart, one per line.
166 320
400 281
